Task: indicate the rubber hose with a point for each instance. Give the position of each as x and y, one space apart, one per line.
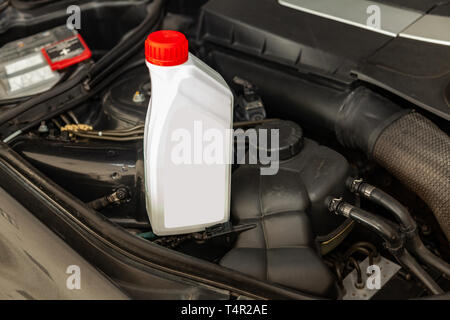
385 200
417 152
416 245
393 240
410 264
381 226
413 241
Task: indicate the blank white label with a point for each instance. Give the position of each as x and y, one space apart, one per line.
30 78
25 63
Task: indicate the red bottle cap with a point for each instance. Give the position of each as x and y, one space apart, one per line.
166 48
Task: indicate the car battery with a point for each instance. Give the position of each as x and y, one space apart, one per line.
35 64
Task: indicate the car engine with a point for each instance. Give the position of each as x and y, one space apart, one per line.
363 180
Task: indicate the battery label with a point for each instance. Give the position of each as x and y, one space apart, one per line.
24 63
31 78
67 52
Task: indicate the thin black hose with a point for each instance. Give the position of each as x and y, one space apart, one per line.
379 225
411 264
409 226
383 199
400 212
393 240
416 245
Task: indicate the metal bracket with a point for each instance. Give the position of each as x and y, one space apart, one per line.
387 270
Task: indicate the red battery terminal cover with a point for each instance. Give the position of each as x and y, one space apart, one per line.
67 52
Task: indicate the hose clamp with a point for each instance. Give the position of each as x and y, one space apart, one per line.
345 209
333 204
353 184
366 190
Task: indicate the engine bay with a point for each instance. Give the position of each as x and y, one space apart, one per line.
363 178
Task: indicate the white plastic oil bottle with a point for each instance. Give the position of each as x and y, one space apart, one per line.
188 140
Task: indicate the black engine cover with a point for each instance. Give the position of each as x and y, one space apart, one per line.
418 71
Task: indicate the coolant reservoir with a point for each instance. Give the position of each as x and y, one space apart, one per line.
188 139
